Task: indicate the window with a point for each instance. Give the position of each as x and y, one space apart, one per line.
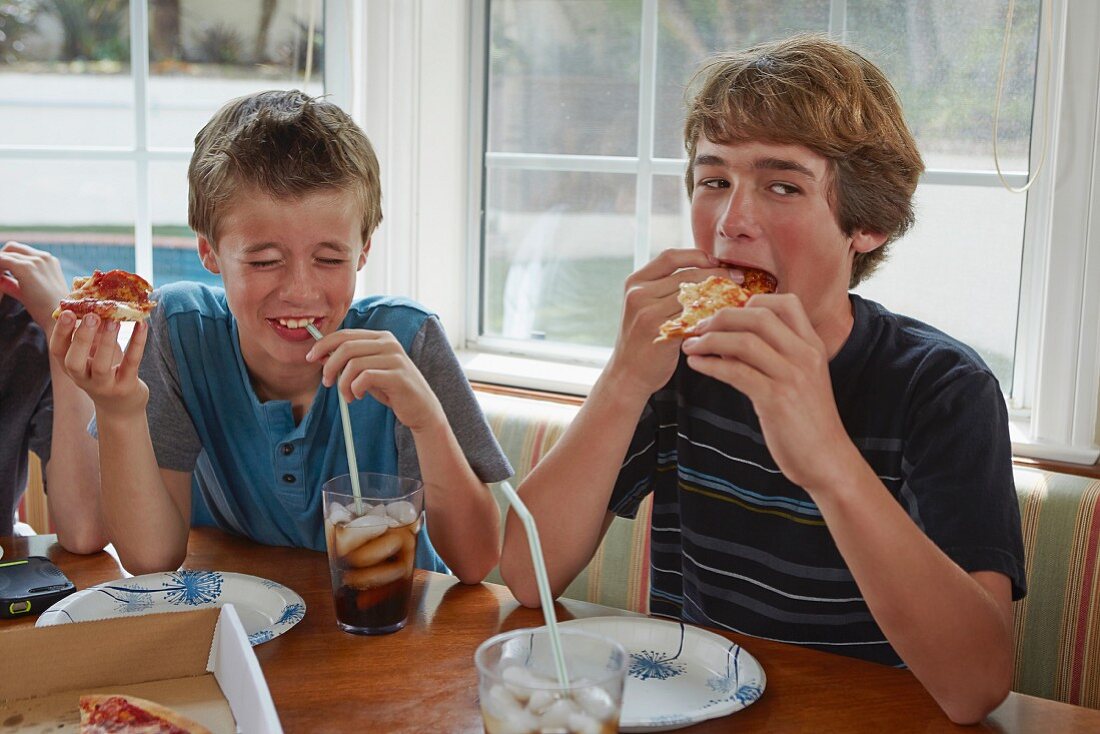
101 102
582 160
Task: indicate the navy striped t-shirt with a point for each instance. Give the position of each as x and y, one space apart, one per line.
736 545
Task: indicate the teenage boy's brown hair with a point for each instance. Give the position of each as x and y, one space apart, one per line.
808 90
283 144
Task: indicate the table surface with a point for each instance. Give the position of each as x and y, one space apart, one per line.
422 679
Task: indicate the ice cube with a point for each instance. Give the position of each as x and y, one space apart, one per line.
557 715
541 700
520 681
358 531
337 513
369 521
596 701
501 702
379 510
584 724
518 722
402 511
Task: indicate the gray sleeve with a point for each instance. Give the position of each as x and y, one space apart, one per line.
175 442
433 356
41 426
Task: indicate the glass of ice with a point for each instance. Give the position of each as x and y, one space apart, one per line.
371 549
520 692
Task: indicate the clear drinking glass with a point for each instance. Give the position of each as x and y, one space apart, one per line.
519 689
372 549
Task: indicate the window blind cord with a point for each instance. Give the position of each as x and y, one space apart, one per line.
1047 22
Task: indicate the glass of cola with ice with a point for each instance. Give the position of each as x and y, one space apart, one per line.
372 549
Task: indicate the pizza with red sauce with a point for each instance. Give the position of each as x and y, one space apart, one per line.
702 300
114 714
116 295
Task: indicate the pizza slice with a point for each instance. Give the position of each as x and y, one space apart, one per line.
702 300
116 295
115 713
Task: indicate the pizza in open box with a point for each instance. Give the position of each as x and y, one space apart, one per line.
115 713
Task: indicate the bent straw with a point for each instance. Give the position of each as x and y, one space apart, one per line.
349 444
541 579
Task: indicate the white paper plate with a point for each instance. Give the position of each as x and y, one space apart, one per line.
679 675
266 608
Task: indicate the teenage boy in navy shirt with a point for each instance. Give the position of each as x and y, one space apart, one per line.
226 393
824 472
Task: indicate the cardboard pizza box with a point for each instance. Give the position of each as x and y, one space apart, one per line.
199 663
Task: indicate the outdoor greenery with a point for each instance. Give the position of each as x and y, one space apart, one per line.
96 32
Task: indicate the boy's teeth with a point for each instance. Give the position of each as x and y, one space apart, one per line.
295 323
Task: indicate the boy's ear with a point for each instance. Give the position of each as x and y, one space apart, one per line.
363 256
208 256
864 241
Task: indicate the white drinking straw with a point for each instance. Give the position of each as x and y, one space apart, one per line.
349 444
541 579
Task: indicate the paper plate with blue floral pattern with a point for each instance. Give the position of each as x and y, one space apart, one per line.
679 675
266 608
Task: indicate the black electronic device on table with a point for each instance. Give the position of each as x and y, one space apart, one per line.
30 586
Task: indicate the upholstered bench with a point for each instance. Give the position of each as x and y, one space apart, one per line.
618 574
1057 624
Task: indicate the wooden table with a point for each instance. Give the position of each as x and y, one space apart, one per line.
422 679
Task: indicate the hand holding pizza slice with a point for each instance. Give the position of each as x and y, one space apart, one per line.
116 295
703 300
108 714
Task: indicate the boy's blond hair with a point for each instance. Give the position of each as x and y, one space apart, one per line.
284 144
808 90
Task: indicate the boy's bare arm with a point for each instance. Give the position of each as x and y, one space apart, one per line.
464 523
568 492
72 473
146 511
953 629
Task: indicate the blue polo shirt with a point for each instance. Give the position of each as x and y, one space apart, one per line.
255 471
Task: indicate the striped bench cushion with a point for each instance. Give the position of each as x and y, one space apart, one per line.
618 575
1057 625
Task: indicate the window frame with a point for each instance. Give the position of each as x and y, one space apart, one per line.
1056 374
143 155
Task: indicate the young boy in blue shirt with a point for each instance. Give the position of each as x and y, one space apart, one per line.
224 411
824 472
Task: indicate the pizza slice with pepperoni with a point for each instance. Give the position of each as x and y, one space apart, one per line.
703 300
116 295
114 714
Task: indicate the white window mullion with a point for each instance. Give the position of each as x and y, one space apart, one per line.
343 28
647 86
950 177
838 20
476 164
139 69
562 162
